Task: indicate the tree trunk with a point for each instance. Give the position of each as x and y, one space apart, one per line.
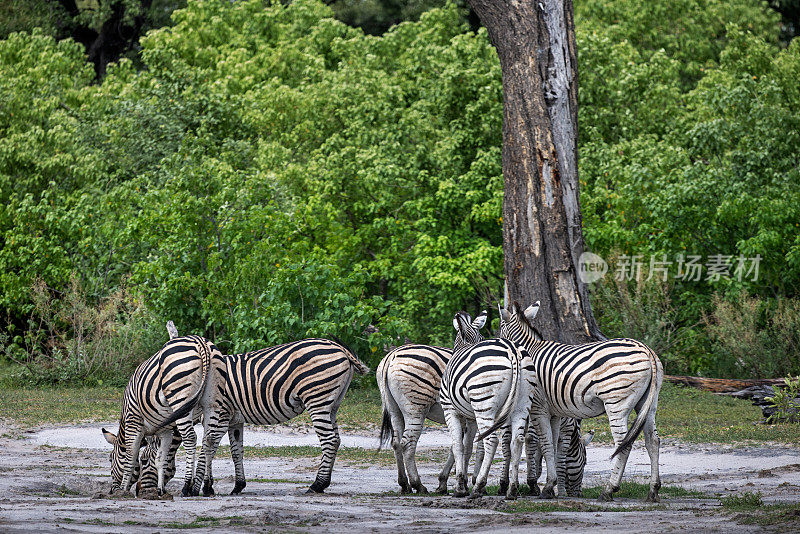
542 236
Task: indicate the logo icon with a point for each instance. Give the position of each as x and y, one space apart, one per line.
591 267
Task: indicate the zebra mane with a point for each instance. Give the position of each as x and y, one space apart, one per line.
516 311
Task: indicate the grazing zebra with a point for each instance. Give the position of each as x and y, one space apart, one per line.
148 481
163 392
482 389
613 377
273 385
570 458
409 378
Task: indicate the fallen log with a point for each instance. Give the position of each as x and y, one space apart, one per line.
722 385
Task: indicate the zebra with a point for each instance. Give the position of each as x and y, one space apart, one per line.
147 483
273 385
409 378
570 457
163 392
482 390
580 381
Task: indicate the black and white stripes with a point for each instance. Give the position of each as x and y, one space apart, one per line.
273 385
164 392
612 377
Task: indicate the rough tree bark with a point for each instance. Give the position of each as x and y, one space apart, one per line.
542 236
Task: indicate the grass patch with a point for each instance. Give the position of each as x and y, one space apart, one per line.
751 510
691 415
636 490
534 506
38 406
684 414
277 481
207 522
743 502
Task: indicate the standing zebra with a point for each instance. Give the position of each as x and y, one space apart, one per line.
482 389
570 457
162 393
409 378
273 385
580 381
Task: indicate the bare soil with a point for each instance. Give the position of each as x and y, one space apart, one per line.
48 477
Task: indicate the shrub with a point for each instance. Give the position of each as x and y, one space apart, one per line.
75 341
755 337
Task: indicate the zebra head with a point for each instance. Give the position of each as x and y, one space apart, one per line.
468 330
117 441
517 326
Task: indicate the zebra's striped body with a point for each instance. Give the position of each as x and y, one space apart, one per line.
570 458
147 483
164 392
273 385
481 390
612 377
409 378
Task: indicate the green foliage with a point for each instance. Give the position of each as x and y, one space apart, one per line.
271 173
743 501
785 402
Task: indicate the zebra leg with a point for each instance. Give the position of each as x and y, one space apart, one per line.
398 430
165 443
408 446
236 437
189 438
619 427
328 433
445 474
516 438
478 461
506 445
561 461
456 429
215 428
131 459
652 442
533 455
490 447
542 427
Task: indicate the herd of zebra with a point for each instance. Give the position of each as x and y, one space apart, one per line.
516 389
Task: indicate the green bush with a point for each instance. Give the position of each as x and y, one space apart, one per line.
272 173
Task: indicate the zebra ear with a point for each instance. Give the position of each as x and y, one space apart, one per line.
587 438
480 320
531 311
455 323
111 438
504 315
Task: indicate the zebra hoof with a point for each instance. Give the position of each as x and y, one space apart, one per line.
606 496
503 487
442 489
653 497
149 495
547 493
513 492
208 491
422 490
238 487
533 488
319 486
460 492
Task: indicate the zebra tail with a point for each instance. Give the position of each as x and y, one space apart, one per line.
505 411
641 417
192 402
354 361
387 432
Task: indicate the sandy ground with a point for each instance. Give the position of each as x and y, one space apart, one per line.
50 474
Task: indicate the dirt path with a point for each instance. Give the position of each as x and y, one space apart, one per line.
49 475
